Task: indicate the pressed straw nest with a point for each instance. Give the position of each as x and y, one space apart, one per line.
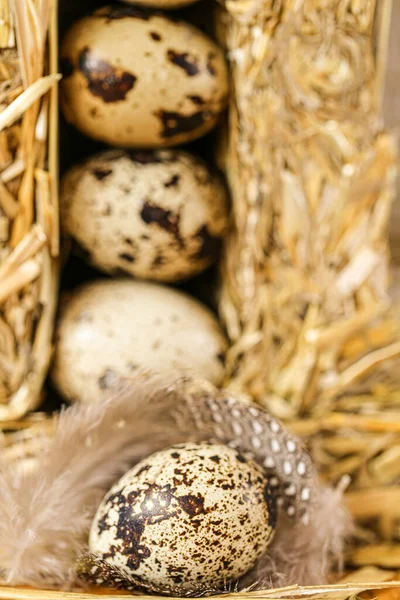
28 200
306 269
305 275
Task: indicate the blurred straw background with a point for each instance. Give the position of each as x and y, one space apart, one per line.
306 274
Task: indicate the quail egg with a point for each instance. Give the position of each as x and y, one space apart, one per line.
186 519
135 78
155 215
112 328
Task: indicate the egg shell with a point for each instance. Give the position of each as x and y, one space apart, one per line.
186 518
155 215
164 4
111 328
135 78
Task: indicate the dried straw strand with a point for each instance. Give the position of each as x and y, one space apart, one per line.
377 581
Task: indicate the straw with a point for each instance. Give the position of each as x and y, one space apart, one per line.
306 270
28 200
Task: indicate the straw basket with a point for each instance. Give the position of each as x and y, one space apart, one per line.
305 275
28 201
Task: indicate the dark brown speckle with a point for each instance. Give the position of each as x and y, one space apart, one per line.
166 219
127 257
144 469
155 36
184 61
241 458
173 182
210 66
174 123
102 524
101 174
197 100
109 83
192 505
158 261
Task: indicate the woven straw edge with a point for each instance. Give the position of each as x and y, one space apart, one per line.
41 244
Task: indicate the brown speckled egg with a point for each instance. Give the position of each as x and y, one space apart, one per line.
155 215
135 78
111 328
186 518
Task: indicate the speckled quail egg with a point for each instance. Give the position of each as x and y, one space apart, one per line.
164 4
186 518
135 78
155 215
108 329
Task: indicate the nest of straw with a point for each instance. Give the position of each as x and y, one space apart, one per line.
28 200
312 175
306 271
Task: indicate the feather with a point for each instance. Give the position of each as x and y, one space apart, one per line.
45 516
307 555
